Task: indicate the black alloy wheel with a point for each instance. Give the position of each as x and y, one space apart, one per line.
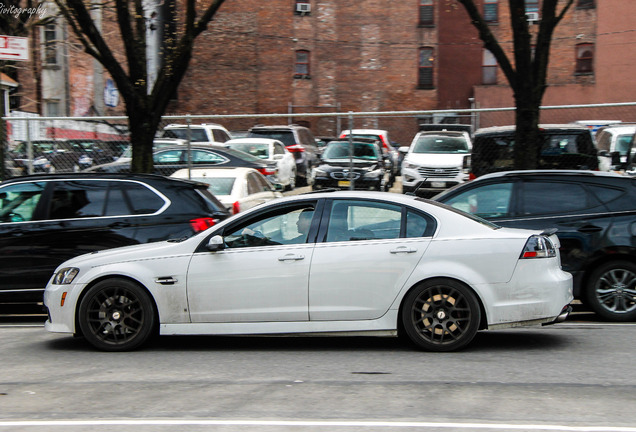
117 315
441 315
611 291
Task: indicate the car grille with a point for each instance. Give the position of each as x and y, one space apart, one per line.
438 172
344 175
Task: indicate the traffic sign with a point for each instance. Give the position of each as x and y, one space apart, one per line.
14 48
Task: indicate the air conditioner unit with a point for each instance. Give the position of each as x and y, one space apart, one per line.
532 17
303 7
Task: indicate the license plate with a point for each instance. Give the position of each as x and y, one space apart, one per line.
344 183
438 184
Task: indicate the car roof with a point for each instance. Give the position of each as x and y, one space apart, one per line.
92 176
552 173
214 172
254 140
547 127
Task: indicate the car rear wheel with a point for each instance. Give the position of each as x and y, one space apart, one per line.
611 291
117 315
441 315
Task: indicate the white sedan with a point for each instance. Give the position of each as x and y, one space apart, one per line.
238 189
270 150
333 262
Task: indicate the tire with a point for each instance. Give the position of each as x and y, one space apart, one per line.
292 181
441 315
117 315
611 291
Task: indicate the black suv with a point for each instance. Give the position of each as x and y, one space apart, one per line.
594 212
46 219
368 169
299 141
564 146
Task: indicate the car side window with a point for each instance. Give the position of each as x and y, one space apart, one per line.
418 225
543 197
132 198
19 201
168 157
206 157
289 225
279 149
78 199
262 184
351 220
220 135
253 185
488 201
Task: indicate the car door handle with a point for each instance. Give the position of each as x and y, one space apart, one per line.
119 225
590 229
403 249
291 257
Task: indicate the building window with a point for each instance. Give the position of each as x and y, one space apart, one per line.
491 11
52 108
50 44
489 68
586 4
585 58
532 6
425 71
302 7
302 64
427 17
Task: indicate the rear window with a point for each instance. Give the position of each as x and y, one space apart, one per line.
286 137
560 150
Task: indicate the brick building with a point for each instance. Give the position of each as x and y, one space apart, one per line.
322 56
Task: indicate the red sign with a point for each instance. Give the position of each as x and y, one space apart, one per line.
14 48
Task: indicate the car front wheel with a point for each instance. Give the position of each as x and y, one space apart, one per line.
116 315
441 315
611 291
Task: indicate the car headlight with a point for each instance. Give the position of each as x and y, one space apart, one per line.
319 172
374 174
409 165
65 276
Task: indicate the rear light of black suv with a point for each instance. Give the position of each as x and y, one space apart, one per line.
201 224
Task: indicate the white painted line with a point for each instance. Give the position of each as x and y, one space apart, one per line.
297 423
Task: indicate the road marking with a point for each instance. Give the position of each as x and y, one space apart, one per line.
317 423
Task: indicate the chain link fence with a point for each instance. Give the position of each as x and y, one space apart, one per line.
45 144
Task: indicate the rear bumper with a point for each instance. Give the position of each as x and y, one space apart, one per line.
567 309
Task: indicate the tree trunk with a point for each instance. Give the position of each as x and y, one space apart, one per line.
142 124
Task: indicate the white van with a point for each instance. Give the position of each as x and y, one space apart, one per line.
615 147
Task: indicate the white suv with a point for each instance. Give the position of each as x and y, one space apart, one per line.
435 161
201 133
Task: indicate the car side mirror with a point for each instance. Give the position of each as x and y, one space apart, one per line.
215 244
403 149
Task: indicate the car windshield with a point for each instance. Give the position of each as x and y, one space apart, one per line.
340 150
623 144
261 151
440 144
218 185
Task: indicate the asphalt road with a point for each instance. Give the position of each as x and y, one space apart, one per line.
574 376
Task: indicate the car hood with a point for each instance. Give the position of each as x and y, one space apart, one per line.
436 159
338 164
163 249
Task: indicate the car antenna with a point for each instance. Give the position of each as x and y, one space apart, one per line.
419 185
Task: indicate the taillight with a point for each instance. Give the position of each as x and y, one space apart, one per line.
201 224
236 207
267 171
296 148
538 246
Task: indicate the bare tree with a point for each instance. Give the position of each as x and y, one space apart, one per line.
144 105
527 74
